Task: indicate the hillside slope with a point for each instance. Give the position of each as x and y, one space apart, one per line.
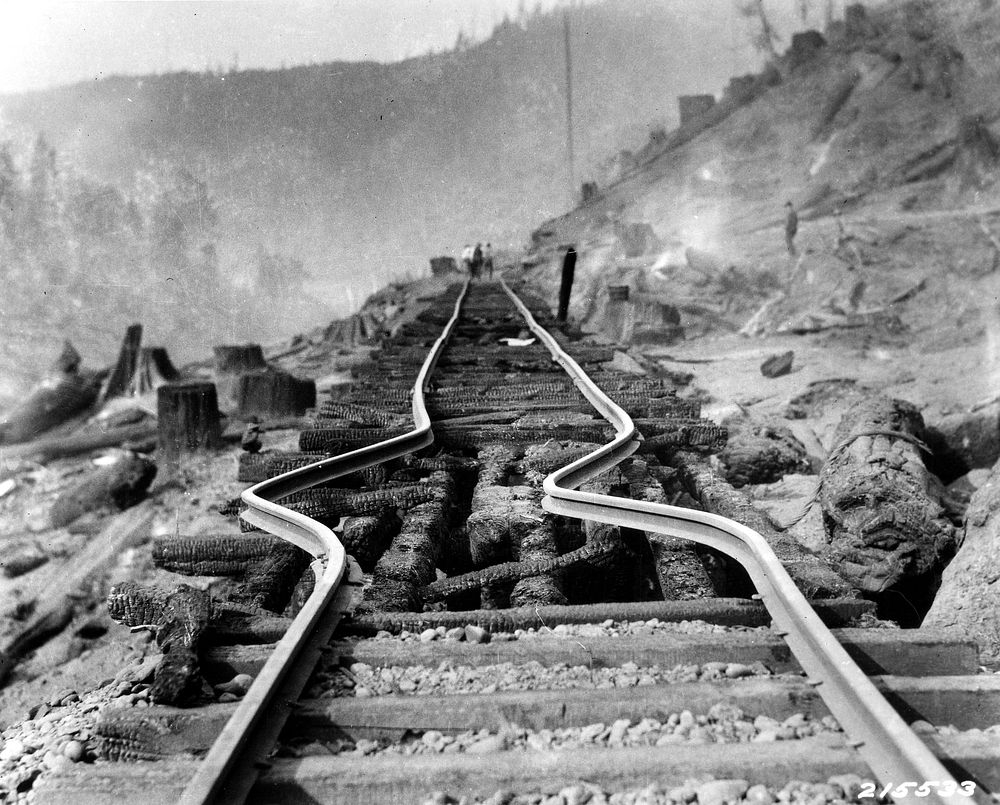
885 139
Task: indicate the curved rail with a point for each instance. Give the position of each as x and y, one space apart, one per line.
217 780
891 749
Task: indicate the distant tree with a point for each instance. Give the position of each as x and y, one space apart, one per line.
42 233
10 194
767 39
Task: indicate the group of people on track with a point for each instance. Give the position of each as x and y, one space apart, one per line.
477 259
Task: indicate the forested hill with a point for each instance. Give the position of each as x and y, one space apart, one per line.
363 170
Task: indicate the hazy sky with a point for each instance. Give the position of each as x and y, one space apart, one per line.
43 44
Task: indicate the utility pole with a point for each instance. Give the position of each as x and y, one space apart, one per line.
569 108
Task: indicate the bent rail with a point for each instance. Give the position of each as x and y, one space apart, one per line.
891 749
223 776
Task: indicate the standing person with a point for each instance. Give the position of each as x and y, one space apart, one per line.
791 227
488 259
467 259
566 285
477 259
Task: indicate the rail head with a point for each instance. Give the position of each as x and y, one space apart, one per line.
210 783
893 751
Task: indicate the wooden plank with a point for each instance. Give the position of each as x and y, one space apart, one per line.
350 779
966 702
913 652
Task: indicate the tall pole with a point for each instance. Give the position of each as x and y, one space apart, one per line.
569 108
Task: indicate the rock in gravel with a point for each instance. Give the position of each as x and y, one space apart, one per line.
439 798
492 743
432 739
427 635
576 795
476 634
500 797
618 730
238 685
74 751
850 784
758 795
721 792
12 750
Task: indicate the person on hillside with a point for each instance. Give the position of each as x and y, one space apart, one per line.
488 259
477 260
791 227
467 259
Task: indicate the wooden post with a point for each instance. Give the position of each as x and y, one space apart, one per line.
239 358
188 417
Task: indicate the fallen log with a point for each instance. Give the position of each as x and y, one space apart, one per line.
60 395
813 575
42 451
881 507
116 486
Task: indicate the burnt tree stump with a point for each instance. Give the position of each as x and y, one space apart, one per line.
152 369
188 417
271 393
239 358
121 375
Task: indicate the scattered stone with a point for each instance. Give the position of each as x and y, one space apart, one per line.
476 634
721 792
74 751
238 685
777 365
427 635
455 633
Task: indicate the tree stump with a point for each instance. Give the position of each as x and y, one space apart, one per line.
188 417
152 369
121 375
239 358
272 393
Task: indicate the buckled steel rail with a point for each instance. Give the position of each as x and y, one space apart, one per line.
228 770
892 750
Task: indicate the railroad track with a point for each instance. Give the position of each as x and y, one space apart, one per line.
550 527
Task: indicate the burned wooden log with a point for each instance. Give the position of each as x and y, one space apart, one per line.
179 619
813 575
114 487
188 417
256 467
761 452
680 572
227 555
61 394
367 537
328 505
410 561
881 507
